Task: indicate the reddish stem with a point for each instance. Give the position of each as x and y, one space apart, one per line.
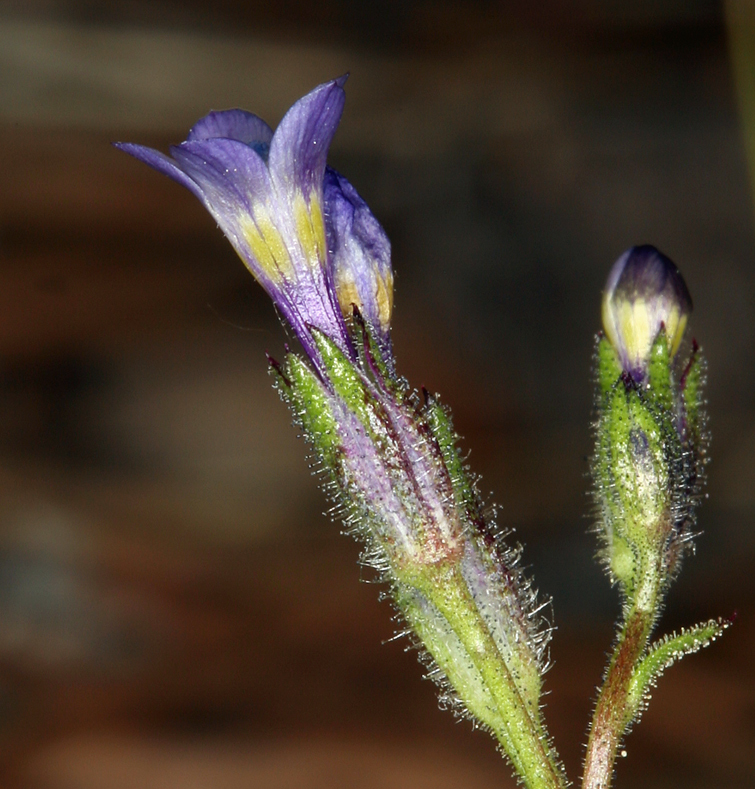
611 716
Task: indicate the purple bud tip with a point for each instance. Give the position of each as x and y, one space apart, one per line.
645 294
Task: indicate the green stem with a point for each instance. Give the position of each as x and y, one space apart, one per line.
615 709
522 736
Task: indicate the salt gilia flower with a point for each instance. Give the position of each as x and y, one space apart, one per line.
388 457
645 294
266 190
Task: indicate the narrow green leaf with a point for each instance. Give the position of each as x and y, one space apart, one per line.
665 653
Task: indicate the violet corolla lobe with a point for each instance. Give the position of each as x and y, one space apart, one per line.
300 227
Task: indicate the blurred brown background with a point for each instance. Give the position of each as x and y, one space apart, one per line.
175 611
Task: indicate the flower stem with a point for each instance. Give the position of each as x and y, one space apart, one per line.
614 712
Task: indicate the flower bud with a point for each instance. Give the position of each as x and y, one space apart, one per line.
650 443
645 294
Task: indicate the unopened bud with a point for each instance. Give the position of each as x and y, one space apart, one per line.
650 450
644 295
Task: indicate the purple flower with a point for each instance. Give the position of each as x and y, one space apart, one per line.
300 227
361 257
391 460
645 294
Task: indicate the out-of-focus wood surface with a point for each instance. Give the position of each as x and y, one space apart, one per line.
175 610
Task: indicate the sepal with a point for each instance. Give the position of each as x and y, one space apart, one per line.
660 378
691 385
372 355
346 380
608 367
313 409
439 422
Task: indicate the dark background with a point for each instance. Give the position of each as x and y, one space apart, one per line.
175 611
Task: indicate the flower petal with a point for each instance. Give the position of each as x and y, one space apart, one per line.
299 147
160 162
236 190
360 255
230 173
270 207
234 125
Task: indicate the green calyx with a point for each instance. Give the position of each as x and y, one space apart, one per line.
638 466
632 484
648 463
467 604
524 660
501 691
